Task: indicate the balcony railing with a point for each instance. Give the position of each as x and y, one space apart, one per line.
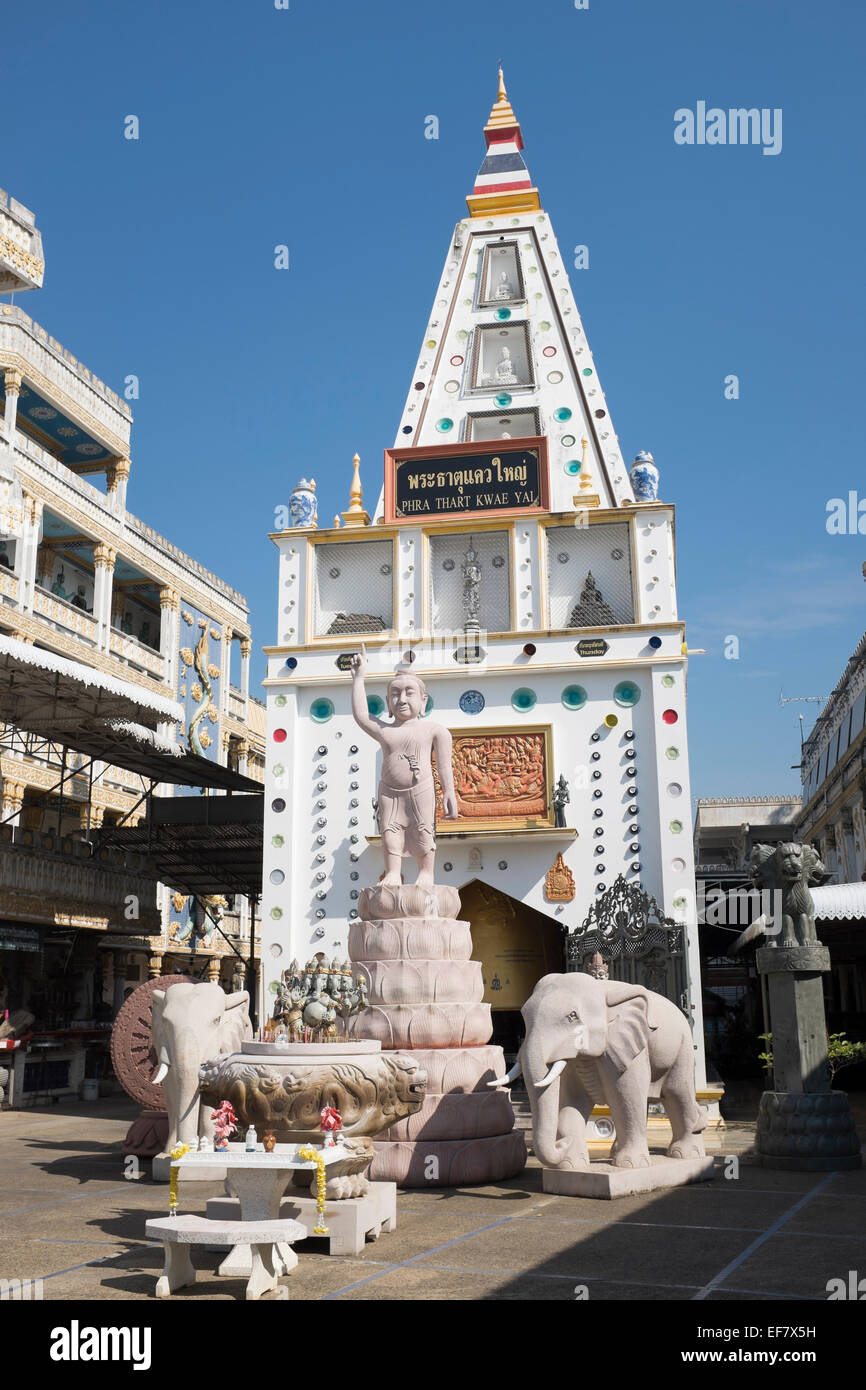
129 649
8 585
237 704
52 880
64 615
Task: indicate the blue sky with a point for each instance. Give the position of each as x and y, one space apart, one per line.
306 127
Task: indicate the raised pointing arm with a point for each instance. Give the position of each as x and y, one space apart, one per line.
360 712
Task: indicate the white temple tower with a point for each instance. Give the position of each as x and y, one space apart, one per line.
511 559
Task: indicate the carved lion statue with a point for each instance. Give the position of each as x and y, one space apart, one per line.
789 870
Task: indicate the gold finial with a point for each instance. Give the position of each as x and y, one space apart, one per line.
337 522
585 479
586 497
501 113
356 516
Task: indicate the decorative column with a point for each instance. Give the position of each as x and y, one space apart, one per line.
91 816
839 851
169 640
154 966
246 652
108 978
44 566
29 548
243 752
103 560
858 820
212 972
12 382
13 797
225 667
802 1123
117 477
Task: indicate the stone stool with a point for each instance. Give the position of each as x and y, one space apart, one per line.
178 1233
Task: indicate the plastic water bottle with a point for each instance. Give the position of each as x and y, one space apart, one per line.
251 1140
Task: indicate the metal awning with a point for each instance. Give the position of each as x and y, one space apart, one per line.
77 706
839 902
50 695
201 845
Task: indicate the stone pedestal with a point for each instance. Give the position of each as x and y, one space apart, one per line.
351 1222
425 998
604 1180
802 1124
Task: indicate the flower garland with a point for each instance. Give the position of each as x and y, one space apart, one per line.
312 1155
177 1152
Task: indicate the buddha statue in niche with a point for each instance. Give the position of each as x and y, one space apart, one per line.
503 288
505 374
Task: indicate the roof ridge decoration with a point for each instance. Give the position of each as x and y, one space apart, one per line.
503 183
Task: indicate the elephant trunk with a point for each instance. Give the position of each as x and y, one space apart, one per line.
184 1075
544 1101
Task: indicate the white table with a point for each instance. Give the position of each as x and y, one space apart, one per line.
258 1180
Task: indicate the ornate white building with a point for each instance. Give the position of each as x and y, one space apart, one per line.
83 578
510 562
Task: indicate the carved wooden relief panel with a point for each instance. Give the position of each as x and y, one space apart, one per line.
501 775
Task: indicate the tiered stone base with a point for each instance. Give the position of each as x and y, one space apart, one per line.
807 1132
425 998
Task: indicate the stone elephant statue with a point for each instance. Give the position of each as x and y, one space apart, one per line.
191 1024
605 1042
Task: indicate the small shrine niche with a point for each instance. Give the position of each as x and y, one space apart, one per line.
499 424
502 358
589 576
354 588
470 582
501 278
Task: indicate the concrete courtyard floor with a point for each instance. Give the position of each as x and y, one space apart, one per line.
69 1217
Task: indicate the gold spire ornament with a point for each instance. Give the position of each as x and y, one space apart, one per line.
356 516
586 497
501 113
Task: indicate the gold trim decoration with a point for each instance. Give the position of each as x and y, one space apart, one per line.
22 260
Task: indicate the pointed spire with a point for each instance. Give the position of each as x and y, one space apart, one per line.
356 516
503 183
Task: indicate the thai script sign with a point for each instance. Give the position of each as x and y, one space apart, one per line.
470 479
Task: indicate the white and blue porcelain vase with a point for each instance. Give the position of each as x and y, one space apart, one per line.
644 478
303 503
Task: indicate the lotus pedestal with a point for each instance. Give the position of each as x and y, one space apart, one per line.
425 999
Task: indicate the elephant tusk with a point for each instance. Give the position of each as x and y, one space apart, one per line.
509 1075
161 1074
552 1074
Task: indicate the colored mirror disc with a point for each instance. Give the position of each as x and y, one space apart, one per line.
321 710
574 697
523 699
376 705
626 693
